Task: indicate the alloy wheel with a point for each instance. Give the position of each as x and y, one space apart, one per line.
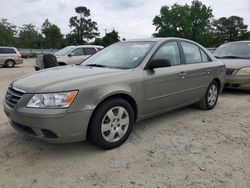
115 124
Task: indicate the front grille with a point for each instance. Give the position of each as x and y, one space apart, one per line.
230 71
12 97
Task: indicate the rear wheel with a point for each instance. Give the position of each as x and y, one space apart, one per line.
211 97
10 63
111 123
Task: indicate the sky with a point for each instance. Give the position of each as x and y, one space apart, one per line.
131 18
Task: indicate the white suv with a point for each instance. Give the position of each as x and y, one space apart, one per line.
76 54
9 57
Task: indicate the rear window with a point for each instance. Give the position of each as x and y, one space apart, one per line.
7 51
89 51
191 53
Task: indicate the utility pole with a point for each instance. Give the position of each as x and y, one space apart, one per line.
105 30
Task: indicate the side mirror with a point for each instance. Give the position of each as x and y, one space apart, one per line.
71 54
158 63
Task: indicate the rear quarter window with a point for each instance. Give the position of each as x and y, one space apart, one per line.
205 57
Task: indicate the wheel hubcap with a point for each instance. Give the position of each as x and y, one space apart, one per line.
9 63
115 124
212 95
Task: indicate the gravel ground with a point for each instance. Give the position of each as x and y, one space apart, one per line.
185 148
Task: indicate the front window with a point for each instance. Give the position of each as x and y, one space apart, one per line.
64 51
170 52
234 50
77 52
125 55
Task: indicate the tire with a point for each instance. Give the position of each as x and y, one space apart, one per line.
111 123
211 97
10 63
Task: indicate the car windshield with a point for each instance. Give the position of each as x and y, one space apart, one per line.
234 50
125 55
64 51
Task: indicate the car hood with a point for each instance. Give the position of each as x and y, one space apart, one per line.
62 78
236 63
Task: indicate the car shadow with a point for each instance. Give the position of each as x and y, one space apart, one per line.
234 92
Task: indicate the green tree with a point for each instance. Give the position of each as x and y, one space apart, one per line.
7 33
53 38
187 21
110 38
230 29
29 37
83 26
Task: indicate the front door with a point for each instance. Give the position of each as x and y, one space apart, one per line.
77 56
164 87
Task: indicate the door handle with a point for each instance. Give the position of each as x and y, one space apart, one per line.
208 71
182 74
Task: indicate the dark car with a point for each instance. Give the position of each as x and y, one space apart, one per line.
236 57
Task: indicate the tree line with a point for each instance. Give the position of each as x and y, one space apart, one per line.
195 22
83 30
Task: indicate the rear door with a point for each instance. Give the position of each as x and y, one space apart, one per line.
88 51
197 69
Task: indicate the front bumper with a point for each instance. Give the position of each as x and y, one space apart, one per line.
238 82
52 125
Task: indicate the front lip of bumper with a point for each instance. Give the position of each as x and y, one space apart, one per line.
69 127
242 82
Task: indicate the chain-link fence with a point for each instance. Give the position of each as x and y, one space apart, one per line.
34 52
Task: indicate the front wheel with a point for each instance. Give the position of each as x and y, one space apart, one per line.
211 97
111 123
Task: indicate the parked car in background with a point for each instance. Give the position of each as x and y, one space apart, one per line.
124 83
236 56
211 50
76 54
9 57
26 55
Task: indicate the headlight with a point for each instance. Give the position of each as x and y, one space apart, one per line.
52 100
244 71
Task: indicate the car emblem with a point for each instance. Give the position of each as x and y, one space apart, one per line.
8 96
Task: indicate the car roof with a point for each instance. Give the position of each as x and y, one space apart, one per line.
240 41
156 39
7 47
94 46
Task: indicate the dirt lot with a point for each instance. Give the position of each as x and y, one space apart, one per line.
184 148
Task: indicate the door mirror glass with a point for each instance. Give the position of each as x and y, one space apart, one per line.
158 63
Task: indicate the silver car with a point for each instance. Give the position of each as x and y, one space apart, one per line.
76 54
236 57
122 84
9 57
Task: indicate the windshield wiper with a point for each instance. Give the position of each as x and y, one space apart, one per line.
230 56
98 65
